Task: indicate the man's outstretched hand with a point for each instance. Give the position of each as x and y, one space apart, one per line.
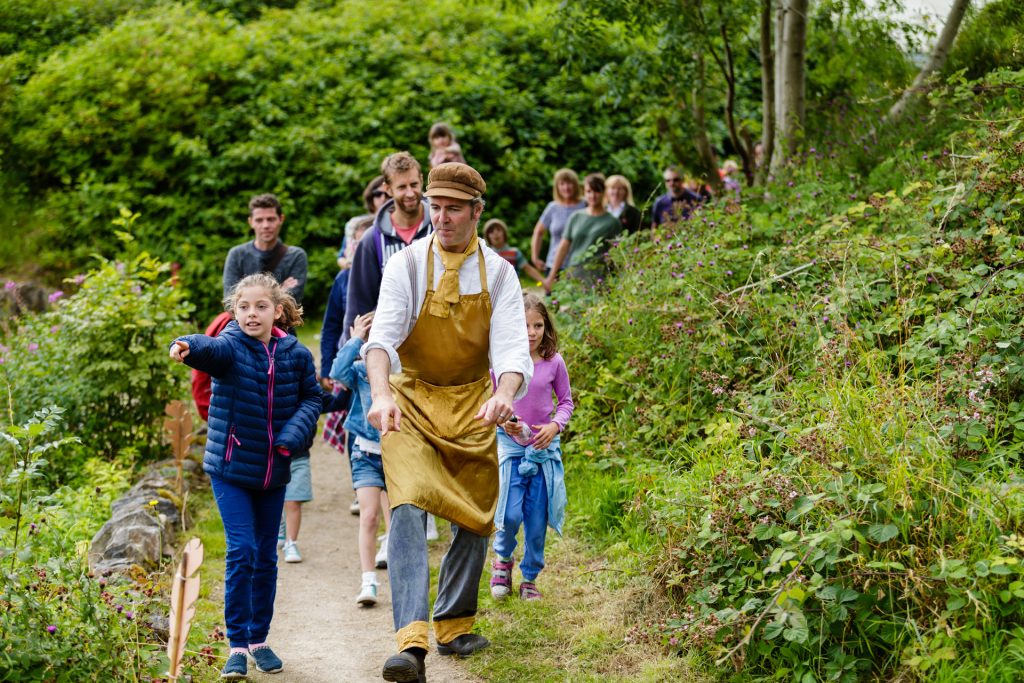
497 408
385 415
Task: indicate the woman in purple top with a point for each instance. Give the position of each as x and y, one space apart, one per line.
567 199
531 476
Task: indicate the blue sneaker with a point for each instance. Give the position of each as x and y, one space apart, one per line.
266 660
237 667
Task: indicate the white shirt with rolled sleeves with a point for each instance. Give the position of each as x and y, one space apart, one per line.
403 289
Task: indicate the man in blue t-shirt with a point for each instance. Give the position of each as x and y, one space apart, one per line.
678 203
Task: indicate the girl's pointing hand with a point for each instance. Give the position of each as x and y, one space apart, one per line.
179 349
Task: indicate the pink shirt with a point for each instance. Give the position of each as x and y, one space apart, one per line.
537 407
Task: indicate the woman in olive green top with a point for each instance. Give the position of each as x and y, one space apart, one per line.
589 227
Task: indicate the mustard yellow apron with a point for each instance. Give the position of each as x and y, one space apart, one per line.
444 461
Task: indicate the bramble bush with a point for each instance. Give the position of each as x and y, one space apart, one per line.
99 353
805 410
57 622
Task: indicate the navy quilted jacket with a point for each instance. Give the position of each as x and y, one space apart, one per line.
265 398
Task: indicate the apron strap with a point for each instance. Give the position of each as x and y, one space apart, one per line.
430 266
483 270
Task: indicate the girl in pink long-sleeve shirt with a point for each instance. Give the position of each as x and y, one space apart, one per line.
532 479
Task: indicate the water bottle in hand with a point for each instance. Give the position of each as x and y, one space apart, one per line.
524 435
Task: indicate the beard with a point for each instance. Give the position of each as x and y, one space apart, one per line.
409 209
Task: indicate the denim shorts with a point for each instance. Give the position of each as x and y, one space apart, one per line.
300 488
367 469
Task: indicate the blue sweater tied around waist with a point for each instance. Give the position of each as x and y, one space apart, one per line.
533 461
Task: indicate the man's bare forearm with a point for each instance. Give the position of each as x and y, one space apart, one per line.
378 370
508 385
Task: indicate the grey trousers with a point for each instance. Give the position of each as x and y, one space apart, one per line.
409 574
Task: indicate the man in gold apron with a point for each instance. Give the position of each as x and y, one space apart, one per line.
450 310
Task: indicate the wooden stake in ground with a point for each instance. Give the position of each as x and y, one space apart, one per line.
178 426
184 592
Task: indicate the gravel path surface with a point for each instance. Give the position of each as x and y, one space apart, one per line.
318 630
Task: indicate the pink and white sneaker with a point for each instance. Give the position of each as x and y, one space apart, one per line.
501 578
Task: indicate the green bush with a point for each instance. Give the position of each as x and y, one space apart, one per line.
184 115
992 39
100 353
812 400
34 27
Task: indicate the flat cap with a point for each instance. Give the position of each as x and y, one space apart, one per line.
455 180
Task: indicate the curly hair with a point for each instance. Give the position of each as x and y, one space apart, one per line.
265 201
399 162
291 311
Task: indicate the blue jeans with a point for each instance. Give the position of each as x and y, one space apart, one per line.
251 518
458 580
527 506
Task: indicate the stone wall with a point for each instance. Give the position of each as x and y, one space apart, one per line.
145 521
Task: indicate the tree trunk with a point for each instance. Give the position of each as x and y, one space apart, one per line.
790 58
936 61
793 69
767 93
780 36
778 157
743 148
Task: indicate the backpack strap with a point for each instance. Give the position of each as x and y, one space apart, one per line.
275 258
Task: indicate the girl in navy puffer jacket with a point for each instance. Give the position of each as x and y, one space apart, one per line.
265 405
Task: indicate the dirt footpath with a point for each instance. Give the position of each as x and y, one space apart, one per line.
318 630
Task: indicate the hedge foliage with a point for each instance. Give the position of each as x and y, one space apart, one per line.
183 115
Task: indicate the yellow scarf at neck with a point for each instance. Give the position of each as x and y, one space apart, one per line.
448 289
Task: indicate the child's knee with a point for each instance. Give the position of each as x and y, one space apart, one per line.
369 518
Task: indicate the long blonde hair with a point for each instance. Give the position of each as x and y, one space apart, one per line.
291 311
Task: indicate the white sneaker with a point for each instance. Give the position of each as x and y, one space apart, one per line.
354 507
291 552
368 595
381 559
431 528
280 542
